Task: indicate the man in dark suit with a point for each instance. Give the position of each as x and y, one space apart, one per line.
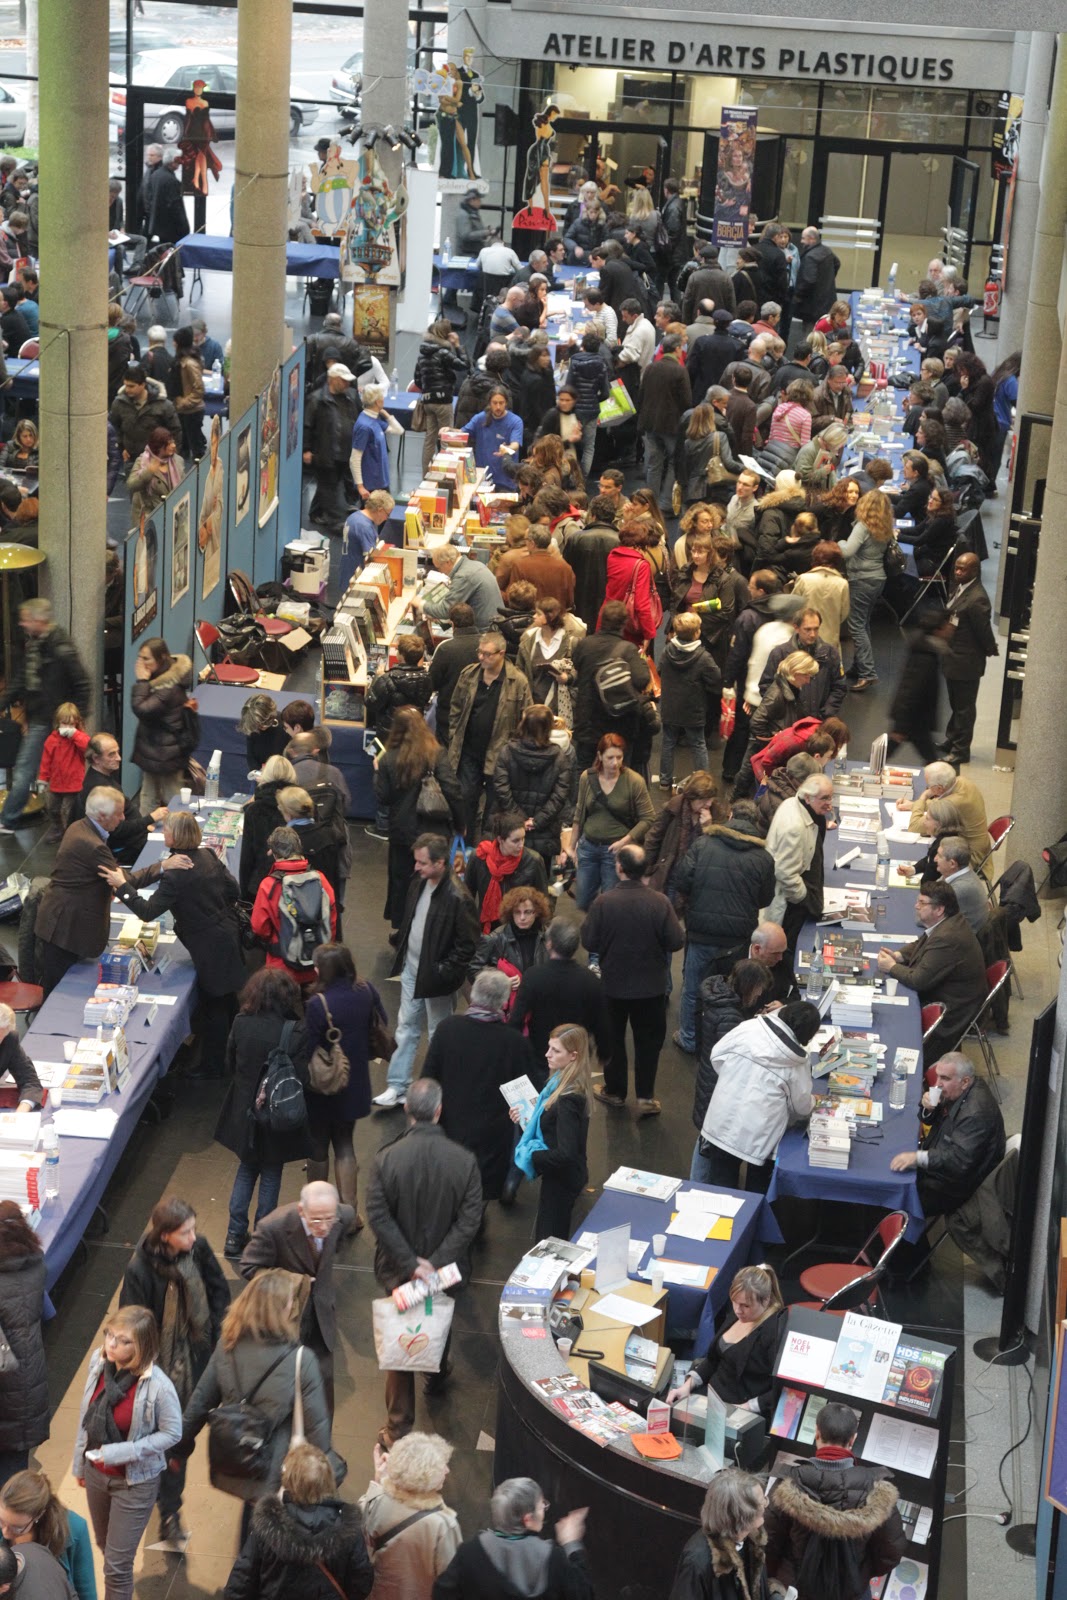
102 762
945 964
303 1237
73 916
965 1140
424 1203
971 644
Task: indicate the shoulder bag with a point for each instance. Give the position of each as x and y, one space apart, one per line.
329 1067
381 1045
239 1434
894 560
9 1361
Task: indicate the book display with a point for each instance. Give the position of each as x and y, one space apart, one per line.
901 1389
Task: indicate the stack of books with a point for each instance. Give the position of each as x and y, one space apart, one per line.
110 1005
22 1177
829 1136
652 1185
853 1007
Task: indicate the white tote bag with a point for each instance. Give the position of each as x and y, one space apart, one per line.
412 1341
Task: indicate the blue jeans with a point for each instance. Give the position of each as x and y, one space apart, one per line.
674 734
699 960
862 594
588 445
596 872
270 1188
659 466
700 1166
409 1022
26 765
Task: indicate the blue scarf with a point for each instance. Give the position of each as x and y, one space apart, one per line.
531 1140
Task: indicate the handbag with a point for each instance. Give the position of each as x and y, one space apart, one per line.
431 806
727 716
381 1045
9 1361
415 1340
338 1464
196 775
188 730
329 1067
418 417
715 469
894 560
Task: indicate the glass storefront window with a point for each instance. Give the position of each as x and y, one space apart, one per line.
796 182
605 95
846 112
919 116
784 106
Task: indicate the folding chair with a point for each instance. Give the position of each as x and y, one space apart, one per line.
30 350
246 599
828 1278
999 829
860 1293
931 1015
229 672
150 286
996 977
926 584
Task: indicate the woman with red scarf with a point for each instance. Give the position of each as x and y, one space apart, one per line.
502 863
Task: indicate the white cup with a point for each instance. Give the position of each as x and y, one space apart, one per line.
55 1097
659 1243
657 1277
564 1346
69 1047
187 795
933 1095
891 986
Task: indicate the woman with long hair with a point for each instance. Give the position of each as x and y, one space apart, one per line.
544 654
977 389
739 1367
302 1538
725 1559
864 553
936 535
546 455
24 1408
1005 381
642 216
159 697
257 1353
271 1012
173 1273
704 463
553 1145
31 1514
535 776
674 830
702 517
791 417
613 808
265 735
629 579
340 999
779 708
835 508
130 1423
411 756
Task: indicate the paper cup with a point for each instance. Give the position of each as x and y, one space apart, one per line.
564 1346
659 1243
55 1097
657 1277
69 1047
187 795
891 986
934 1095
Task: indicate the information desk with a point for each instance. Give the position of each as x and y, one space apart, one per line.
868 1179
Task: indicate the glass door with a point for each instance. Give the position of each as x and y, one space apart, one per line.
847 184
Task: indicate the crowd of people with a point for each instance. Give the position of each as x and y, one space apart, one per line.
638 702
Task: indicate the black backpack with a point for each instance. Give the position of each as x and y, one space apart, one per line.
239 1435
280 1104
615 687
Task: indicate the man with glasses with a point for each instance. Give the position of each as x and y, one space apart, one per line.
303 1237
488 704
945 964
513 1558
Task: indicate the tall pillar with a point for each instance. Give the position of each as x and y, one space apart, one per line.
386 100
261 179
1026 204
74 292
1042 338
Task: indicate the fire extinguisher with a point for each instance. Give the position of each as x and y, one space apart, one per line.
991 301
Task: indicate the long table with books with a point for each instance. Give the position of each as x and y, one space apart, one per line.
883 1031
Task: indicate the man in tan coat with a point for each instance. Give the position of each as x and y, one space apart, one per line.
943 782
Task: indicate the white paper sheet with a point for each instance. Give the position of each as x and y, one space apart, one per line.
908 1446
157 999
74 1123
619 1309
720 1205
691 1225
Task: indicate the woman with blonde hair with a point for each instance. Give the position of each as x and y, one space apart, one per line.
412 1535
255 1360
31 1514
642 217
739 1365
864 552
704 463
411 755
261 817
130 1423
779 709
304 1543
553 1145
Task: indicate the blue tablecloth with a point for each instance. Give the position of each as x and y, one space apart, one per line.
868 1179
689 1309
214 252
26 385
220 708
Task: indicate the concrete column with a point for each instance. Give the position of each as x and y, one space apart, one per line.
74 292
386 98
1027 202
1042 339
260 224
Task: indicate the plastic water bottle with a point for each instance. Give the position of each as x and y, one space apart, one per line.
891 286
816 972
446 251
211 786
881 869
50 1146
394 381
216 367
898 1090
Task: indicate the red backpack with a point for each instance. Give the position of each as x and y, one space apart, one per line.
776 751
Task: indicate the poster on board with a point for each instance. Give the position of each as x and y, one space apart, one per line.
369 248
212 511
333 184
733 182
243 467
181 552
371 318
292 412
270 438
145 577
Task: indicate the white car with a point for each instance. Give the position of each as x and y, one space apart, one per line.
12 114
179 69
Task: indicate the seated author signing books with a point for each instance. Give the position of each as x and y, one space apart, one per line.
847 1416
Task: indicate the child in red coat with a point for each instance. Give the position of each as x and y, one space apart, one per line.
63 766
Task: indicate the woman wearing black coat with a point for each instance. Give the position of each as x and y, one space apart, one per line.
519 942
937 533
24 1407
739 1367
347 1003
203 901
411 755
913 715
261 817
270 1011
159 694
304 1543
539 778
558 1154
726 1559
174 1274
976 388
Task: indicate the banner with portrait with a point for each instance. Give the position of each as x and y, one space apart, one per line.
145 562
291 477
733 179
372 315
241 487
211 554
270 441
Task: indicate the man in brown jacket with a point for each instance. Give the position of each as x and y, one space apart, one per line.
544 567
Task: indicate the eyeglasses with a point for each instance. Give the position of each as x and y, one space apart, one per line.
14 1530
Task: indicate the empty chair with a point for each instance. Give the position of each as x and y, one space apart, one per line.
827 1278
228 672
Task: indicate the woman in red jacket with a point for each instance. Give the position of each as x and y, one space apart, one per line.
629 579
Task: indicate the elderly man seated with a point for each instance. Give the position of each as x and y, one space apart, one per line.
953 863
944 964
963 1137
943 782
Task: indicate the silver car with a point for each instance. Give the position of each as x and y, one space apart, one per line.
179 69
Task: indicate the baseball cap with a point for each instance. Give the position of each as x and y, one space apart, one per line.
337 369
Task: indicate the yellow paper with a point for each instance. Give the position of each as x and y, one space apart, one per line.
723 1228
